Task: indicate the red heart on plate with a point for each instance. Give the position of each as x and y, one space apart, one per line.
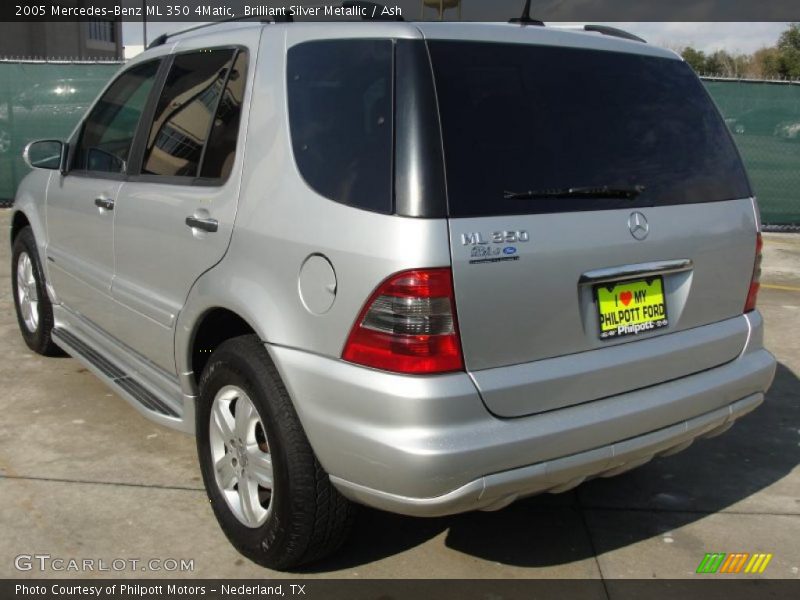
625 298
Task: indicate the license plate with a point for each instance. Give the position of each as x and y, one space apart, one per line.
630 307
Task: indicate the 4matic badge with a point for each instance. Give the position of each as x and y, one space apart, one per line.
493 247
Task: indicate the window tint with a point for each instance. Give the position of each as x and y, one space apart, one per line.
221 149
518 118
340 112
184 113
107 136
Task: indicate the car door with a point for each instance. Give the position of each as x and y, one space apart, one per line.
80 204
174 219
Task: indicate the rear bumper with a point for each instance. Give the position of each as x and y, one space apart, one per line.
427 446
495 491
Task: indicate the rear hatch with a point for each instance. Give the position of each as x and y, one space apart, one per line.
602 230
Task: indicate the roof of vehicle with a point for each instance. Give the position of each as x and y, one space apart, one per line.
547 36
572 36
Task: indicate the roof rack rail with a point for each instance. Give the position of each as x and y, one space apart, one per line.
613 31
162 39
370 13
373 9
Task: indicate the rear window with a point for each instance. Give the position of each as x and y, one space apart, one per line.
519 118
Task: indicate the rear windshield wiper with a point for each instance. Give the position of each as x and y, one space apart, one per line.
605 191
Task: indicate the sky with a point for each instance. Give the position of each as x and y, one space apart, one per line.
708 37
732 37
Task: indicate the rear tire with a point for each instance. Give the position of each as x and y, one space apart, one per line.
269 493
32 304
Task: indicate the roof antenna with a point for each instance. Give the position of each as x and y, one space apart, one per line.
526 19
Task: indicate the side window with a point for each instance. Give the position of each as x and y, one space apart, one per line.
185 112
341 119
221 150
107 135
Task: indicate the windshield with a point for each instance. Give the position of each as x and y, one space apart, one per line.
519 118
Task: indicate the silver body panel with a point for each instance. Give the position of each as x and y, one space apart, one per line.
547 300
131 288
552 309
562 381
423 438
80 244
149 224
275 234
498 490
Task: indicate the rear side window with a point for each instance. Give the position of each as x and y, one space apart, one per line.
341 119
107 135
221 150
185 116
518 118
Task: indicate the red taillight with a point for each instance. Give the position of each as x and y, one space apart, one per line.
408 325
755 281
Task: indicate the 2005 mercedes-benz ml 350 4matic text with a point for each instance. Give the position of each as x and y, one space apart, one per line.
426 267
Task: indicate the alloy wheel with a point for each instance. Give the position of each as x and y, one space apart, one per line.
240 455
27 294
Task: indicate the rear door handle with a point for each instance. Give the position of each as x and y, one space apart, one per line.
210 225
104 203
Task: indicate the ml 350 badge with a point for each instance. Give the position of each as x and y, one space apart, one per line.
631 307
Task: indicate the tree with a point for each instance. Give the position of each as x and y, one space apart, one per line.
789 47
742 65
779 61
790 63
695 58
790 38
765 64
721 63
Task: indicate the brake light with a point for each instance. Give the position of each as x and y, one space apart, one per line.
408 325
755 281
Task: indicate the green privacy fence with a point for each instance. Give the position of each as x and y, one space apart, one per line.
764 117
45 100
42 100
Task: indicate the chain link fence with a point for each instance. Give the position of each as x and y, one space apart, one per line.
764 117
42 100
46 100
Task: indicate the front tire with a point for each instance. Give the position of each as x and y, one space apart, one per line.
269 493
32 304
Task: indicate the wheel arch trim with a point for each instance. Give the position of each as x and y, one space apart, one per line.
191 318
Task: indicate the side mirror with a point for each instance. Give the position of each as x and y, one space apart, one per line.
46 154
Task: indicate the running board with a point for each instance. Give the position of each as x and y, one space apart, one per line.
122 382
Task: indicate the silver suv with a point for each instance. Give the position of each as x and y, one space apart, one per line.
429 268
